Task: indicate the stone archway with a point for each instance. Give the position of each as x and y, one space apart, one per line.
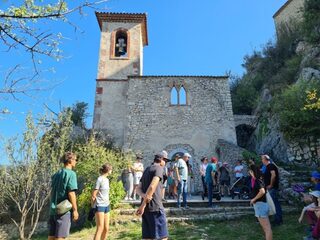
184 148
244 132
179 148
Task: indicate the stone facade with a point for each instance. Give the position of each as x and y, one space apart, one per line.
305 152
137 111
288 14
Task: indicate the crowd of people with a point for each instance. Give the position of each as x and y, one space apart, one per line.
148 185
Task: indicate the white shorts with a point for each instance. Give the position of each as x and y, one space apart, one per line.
136 178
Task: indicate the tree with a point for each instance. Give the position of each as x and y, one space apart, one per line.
25 186
26 27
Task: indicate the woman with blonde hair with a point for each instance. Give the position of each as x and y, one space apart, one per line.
100 200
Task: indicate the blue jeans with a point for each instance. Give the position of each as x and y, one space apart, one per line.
210 190
182 188
274 194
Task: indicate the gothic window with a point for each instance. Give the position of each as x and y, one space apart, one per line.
121 44
174 96
182 96
178 96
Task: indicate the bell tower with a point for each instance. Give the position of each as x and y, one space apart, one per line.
123 37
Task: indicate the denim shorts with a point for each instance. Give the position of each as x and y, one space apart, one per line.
154 225
261 209
59 225
103 209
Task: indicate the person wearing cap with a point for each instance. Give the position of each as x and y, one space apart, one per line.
312 216
211 178
154 223
314 196
181 170
137 174
271 182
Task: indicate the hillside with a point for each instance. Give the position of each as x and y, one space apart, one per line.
281 87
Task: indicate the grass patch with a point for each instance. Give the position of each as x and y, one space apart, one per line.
242 229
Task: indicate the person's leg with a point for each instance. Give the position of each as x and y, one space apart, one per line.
204 185
184 192
100 225
130 185
179 189
210 186
106 226
266 226
274 196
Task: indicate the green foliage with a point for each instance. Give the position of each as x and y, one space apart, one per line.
311 23
91 156
247 155
244 97
263 128
33 159
79 114
296 121
117 193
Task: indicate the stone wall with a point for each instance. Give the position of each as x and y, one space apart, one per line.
305 152
154 124
288 14
119 68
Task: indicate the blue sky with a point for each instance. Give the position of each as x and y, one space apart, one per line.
186 37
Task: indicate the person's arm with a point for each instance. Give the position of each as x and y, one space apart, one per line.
73 199
177 173
94 196
148 195
259 195
139 191
272 180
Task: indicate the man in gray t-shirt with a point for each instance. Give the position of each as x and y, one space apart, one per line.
181 170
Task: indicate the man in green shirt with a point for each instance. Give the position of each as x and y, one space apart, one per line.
63 186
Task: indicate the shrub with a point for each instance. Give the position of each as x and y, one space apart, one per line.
92 155
311 22
295 120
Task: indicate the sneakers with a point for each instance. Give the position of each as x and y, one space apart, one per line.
126 198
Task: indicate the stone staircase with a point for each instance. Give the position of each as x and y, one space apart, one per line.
226 209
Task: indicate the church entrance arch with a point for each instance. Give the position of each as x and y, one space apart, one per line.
182 149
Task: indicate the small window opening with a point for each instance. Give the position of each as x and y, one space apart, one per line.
121 44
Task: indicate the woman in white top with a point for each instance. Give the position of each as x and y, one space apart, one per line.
203 168
100 200
137 174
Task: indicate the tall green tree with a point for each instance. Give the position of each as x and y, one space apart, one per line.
34 157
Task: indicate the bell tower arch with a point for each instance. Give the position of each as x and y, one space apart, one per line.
123 37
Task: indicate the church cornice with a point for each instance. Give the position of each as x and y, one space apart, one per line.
179 76
125 17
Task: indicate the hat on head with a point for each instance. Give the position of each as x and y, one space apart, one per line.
187 155
163 154
315 193
138 156
177 155
214 159
225 164
315 174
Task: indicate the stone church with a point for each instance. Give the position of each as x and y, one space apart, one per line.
146 114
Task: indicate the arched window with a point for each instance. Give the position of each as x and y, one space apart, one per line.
121 44
174 96
182 96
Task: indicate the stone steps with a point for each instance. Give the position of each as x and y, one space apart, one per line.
195 214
